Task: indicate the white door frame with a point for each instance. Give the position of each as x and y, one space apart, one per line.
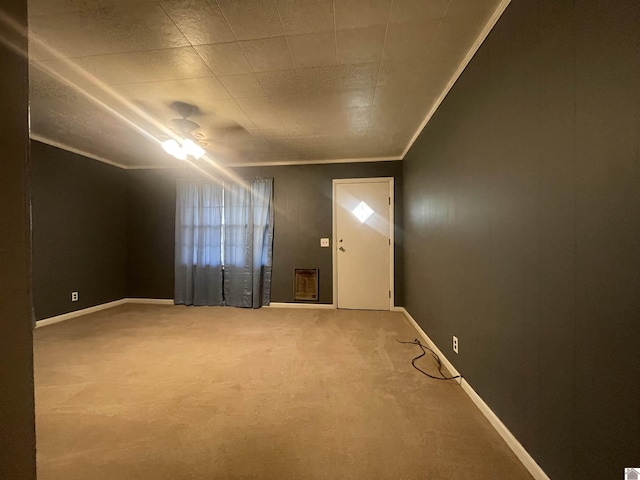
334 257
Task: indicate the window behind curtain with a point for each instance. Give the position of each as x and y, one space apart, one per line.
198 235
199 211
224 238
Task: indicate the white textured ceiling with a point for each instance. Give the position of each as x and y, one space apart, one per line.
273 81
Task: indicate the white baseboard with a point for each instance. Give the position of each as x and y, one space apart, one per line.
79 313
529 463
301 305
158 301
527 460
150 301
102 306
443 358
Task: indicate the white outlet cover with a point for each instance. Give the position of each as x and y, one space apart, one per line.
455 344
324 242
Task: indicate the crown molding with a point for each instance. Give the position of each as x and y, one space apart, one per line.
313 162
465 61
62 146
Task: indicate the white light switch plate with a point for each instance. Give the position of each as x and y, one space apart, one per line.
324 242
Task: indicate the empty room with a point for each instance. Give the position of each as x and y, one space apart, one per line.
320 239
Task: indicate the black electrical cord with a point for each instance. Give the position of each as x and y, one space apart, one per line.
424 349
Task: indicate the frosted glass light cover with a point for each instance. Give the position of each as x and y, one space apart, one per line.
362 212
192 148
172 147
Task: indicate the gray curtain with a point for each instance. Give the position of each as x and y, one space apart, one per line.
198 263
248 242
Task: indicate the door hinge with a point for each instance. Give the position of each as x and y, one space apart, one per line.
389 241
389 200
389 293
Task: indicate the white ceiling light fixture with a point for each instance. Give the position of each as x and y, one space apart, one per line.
185 144
188 148
192 148
173 148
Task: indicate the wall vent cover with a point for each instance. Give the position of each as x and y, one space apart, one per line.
306 284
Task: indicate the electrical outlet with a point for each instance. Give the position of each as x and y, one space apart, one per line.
74 296
324 242
455 344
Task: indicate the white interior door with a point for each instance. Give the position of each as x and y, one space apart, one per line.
363 243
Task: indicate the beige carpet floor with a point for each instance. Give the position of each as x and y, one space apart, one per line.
176 393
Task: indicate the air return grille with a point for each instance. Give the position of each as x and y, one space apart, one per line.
306 284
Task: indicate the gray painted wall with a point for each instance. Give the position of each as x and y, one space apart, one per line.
303 201
522 218
17 432
109 233
79 231
151 215
303 206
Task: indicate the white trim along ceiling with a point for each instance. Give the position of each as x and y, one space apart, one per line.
257 82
